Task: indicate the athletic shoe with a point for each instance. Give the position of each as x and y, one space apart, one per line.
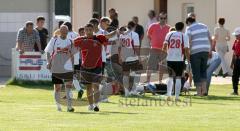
90 107
80 94
70 110
225 75
96 109
234 94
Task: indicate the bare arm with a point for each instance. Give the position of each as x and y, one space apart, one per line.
233 61
187 54
111 34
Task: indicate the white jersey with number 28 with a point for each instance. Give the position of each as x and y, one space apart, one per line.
176 42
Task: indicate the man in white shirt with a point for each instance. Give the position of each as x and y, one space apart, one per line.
59 61
129 56
175 44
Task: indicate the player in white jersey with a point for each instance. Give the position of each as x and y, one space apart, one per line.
130 59
176 44
73 35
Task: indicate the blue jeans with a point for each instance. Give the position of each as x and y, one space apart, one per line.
211 68
199 67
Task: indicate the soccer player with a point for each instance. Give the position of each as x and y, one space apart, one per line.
176 43
73 35
129 53
91 68
59 62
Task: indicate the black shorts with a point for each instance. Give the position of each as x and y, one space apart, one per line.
60 78
175 68
131 66
89 76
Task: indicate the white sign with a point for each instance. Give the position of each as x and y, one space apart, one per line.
30 66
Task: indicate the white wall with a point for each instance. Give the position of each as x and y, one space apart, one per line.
204 9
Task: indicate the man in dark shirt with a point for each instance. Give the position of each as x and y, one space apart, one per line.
114 19
43 32
138 29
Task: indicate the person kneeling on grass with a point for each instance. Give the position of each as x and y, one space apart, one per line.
91 68
175 44
60 62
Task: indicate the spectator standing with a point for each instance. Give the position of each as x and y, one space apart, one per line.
43 33
235 65
138 29
221 37
156 34
27 37
152 18
200 49
114 19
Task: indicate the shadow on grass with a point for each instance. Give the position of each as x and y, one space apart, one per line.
219 98
106 113
46 85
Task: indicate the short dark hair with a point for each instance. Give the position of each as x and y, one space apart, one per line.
80 29
190 20
29 23
94 21
221 21
131 25
60 23
153 13
179 26
39 18
123 28
105 19
96 15
89 25
112 9
69 25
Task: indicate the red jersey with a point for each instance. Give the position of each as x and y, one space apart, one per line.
91 50
236 47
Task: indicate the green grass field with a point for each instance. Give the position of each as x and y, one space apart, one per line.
32 108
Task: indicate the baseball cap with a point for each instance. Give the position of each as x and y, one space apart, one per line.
236 31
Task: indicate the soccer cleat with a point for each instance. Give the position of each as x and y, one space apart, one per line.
96 109
70 110
80 94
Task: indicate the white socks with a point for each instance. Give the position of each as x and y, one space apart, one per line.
177 88
169 86
57 99
76 84
126 85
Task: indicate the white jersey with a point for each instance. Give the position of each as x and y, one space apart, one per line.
61 62
73 35
176 42
104 55
128 42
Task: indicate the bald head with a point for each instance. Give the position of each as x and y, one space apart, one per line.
192 15
63 31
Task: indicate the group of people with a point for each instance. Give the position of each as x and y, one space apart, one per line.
102 51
